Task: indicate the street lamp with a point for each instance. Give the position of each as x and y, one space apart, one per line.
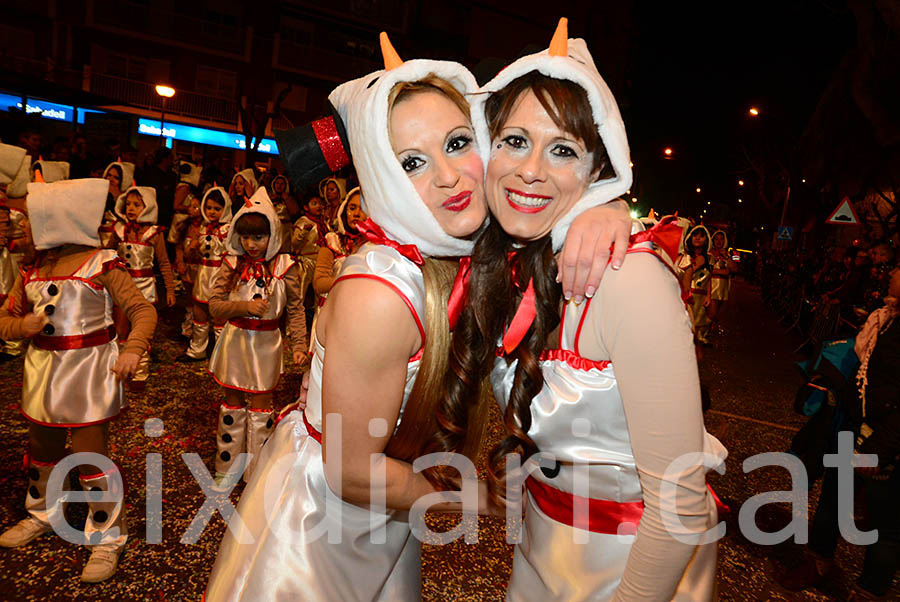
166 92
740 182
698 191
754 111
667 152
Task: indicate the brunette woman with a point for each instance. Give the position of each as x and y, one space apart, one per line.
573 378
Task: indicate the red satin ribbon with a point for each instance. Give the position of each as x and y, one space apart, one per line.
311 429
666 235
604 516
145 273
133 229
211 263
254 324
77 341
375 234
253 269
330 143
460 291
522 319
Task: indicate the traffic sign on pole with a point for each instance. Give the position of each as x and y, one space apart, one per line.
844 215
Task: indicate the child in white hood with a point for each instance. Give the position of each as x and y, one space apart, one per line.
140 244
254 286
73 368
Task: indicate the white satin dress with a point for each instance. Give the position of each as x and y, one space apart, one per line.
68 377
579 417
138 256
303 543
248 355
212 250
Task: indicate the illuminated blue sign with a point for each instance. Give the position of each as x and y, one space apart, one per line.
190 133
47 109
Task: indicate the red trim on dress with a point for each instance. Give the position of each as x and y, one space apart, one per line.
211 263
311 429
66 425
604 516
145 273
580 324
573 359
249 391
406 300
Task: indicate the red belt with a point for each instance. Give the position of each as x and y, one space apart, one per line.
77 341
145 273
311 429
698 291
254 324
212 263
604 516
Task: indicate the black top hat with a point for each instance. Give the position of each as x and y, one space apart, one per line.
315 150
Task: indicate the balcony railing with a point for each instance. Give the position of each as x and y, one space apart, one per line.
143 95
154 22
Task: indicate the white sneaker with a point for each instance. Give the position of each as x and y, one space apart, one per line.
23 532
102 564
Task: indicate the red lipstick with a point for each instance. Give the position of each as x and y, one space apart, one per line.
458 202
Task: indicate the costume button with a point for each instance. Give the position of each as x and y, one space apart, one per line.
127 255
53 290
260 283
33 474
257 296
48 329
128 247
208 237
49 310
229 420
100 516
551 473
127 264
33 492
225 456
269 423
226 438
206 255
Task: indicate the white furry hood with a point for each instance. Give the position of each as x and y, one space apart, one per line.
389 197
226 215
11 159
258 203
66 212
52 171
151 209
247 175
127 173
577 66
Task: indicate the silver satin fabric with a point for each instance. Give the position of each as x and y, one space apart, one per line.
73 386
212 248
721 286
288 505
548 564
139 255
251 360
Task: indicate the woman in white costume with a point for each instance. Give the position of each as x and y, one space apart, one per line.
573 378
415 152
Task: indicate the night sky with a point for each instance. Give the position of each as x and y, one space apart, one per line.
697 67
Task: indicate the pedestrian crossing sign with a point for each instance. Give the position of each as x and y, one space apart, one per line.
785 233
844 215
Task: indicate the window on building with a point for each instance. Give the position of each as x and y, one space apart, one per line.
216 82
122 65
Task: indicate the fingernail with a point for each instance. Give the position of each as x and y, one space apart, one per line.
578 299
616 266
589 292
558 279
567 295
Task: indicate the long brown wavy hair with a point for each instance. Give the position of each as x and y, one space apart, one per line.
421 422
501 271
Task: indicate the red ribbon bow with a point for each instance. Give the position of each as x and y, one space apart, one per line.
253 269
522 319
375 234
133 230
666 235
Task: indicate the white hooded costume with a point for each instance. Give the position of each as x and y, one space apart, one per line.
212 246
594 457
109 217
139 255
248 354
721 269
291 557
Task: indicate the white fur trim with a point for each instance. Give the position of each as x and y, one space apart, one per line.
127 173
389 197
226 214
151 208
577 67
66 212
52 171
259 203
